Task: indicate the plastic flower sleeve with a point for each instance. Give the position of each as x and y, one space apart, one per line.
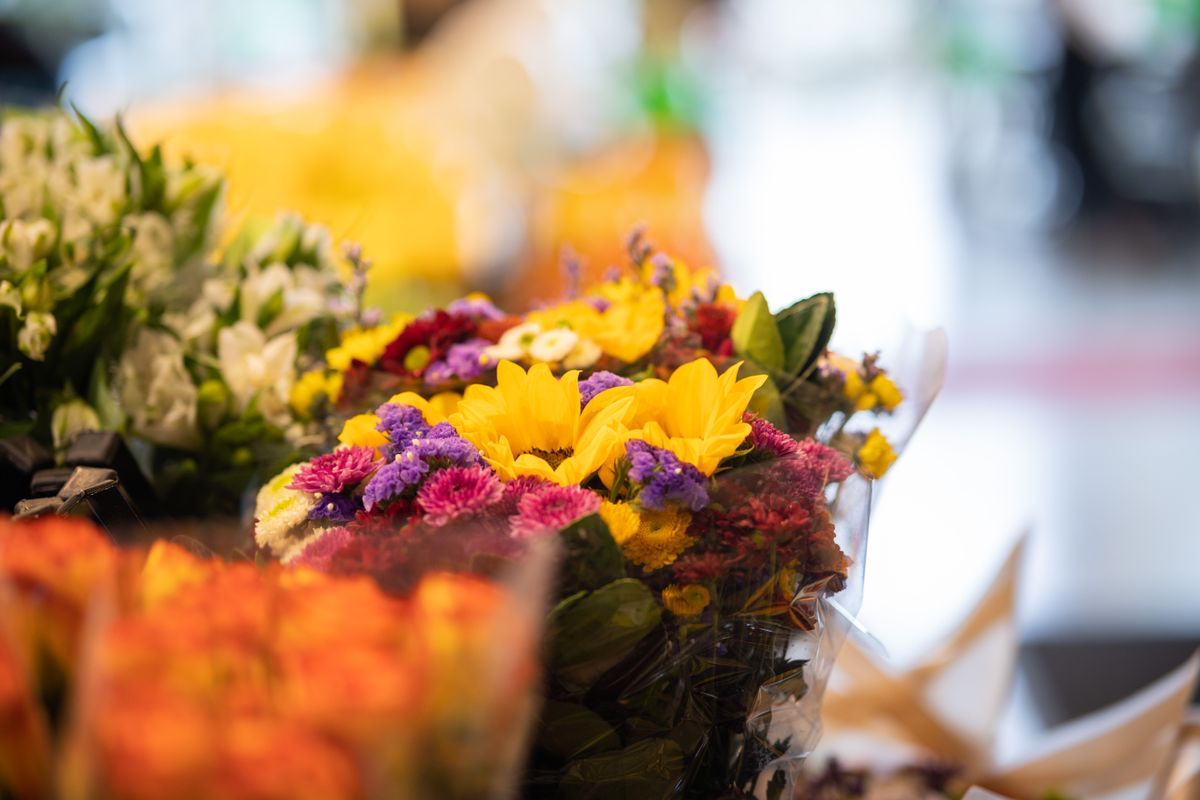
201 677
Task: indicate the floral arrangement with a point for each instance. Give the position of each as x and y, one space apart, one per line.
645 320
128 674
640 427
115 313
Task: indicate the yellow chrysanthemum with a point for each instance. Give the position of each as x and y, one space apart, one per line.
359 431
686 601
627 329
312 386
436 409
530 423
660 537
876 455
622 520
886 392
695 414
365 345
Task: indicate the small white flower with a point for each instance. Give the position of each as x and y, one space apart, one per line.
253 365
585 354
36 334
153 252
70 419
279 511
24 242
514 343
156 389
99 189
553 345
10 296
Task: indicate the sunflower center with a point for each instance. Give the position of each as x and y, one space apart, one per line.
552 457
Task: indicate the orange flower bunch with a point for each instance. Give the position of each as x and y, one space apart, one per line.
190 678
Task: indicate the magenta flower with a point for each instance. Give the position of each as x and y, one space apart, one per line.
319 553
457 492
552 509
831 464
333 472
766 437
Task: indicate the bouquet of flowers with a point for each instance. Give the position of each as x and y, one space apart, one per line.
690 636
129 674
115 314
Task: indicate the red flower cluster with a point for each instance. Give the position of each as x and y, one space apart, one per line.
437 332
714 322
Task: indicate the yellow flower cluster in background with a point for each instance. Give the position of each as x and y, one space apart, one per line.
876 455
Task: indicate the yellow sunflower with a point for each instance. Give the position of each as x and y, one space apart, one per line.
530 423
695 414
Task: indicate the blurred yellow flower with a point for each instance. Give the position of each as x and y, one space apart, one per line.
436 409
876 455
696 414
660 538
365 344
622 520
885 390
626 329
686 601
359 431
530 423
311 387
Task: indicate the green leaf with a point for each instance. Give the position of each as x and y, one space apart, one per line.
647 770
569 730
271 309
8 373
755 334
591 557
767 401
806 327
93 133
592 632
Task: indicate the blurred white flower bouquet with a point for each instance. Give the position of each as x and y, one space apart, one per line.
115 313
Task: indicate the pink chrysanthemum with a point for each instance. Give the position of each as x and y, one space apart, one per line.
551 509
832 465
766 437
333 472
319 553
458 491
514 490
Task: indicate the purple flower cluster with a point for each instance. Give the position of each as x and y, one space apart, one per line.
463 361
415 450
336 508
664 478
477 307
598 382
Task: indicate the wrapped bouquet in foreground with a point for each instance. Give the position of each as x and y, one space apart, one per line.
156 673
116 314
705 465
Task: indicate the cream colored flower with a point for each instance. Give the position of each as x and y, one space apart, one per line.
514 343
36 334
553 345
585 354
22 243
254 366
70 419
279 512
156 389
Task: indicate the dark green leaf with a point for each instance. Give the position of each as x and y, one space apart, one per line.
571 731
591 632
755 334
647 770
591 558
806 327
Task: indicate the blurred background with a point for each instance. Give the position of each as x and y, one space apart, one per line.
1020 172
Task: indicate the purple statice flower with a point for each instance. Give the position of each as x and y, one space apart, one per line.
478 307
336 508
664 478
438 447
551 509
333 472
766 437
320 552
464 361
598 382
664 272
401 423
598 303
458 492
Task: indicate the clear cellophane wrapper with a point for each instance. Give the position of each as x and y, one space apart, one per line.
161 673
